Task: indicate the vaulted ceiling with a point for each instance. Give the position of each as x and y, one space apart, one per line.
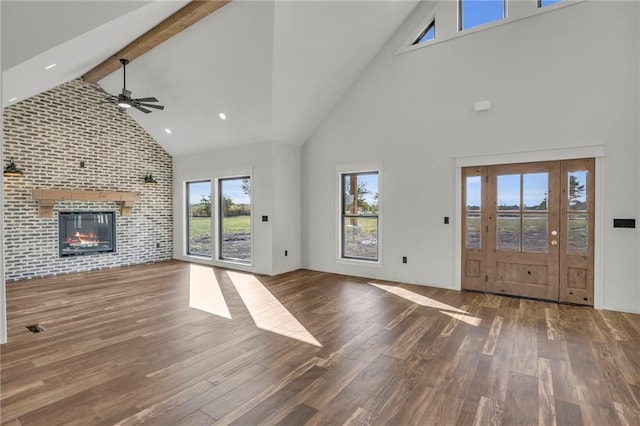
275 68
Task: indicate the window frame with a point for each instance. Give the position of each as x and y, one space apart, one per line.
220 216
188 220
355 169
460 12
418 40
541 6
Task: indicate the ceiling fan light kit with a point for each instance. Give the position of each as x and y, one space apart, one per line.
124 100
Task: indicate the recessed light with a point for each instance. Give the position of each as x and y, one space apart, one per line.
222 116
168 131
48 67
13 99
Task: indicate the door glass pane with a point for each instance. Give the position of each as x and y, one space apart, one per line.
508 192
473 230
535 233
199 220
577 233
508 231
474 192
577 190
535 187
473 206
235 219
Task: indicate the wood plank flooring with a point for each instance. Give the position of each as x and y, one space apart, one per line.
124 347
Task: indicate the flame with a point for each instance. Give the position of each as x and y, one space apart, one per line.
81 238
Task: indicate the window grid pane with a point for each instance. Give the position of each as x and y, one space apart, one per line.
474 13
235 219
359 216
473 205
535 232
577 181
429 33
577 234
199 218
508 231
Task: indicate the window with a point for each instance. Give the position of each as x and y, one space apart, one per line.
235 219
472 13
359 215
429 33
199 218
544 3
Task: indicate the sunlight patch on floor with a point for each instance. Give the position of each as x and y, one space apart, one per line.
205 293
421 300
267 312
469 319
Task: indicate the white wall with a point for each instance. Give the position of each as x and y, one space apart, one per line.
271 238
286 208
567 78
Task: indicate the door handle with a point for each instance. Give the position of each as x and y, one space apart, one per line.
554 243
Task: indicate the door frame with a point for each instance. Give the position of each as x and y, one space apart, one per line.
592 151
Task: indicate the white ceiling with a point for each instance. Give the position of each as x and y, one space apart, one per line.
274 67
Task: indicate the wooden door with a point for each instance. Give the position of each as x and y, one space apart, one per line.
576 231
531 233
474 238
522 251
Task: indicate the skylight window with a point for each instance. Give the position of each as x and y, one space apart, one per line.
472 13
545 3
429 33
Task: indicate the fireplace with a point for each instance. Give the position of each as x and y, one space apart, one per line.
83 233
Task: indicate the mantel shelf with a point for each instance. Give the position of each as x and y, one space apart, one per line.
47 198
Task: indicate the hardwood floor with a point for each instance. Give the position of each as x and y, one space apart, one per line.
124 347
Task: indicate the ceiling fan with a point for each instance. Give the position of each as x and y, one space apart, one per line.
124 100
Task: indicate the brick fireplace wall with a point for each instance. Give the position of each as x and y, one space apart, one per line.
49 135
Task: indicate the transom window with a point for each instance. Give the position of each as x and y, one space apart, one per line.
359 215
429 33
473 13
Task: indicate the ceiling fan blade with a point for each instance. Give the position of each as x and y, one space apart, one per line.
138 107
147 100
151 105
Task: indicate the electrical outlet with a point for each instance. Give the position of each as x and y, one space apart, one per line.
404 259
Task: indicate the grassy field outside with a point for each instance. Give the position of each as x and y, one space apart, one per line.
535 232
236 237
201 226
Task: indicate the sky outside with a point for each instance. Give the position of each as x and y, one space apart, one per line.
479 12
371 184
535 188
232 188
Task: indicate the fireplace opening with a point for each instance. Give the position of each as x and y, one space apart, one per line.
83 233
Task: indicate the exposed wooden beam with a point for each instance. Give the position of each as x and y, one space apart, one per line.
182 19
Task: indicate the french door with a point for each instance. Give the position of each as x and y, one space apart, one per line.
528 230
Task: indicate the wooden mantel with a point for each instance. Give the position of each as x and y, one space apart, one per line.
47 198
